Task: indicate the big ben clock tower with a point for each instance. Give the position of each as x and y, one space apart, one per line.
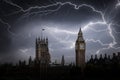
80 47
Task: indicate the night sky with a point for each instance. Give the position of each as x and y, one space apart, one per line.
21 21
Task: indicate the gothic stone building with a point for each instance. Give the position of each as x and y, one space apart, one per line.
80 48
42 51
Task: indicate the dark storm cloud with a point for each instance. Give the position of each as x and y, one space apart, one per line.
5 39
61 27
67 14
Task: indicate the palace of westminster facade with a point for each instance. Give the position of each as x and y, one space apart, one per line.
43 57
40 68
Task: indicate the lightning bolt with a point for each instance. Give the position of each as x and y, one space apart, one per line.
8 27
11 3
94 23
92 40
28 12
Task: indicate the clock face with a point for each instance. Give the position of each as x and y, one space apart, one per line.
82 46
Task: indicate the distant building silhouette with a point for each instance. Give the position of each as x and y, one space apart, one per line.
106 60
80 47
62 61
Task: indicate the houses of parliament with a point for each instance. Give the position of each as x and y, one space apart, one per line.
40 68
43 55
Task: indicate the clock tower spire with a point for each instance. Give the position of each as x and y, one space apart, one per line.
80 48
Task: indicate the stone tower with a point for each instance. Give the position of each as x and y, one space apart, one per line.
80 48
42 51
